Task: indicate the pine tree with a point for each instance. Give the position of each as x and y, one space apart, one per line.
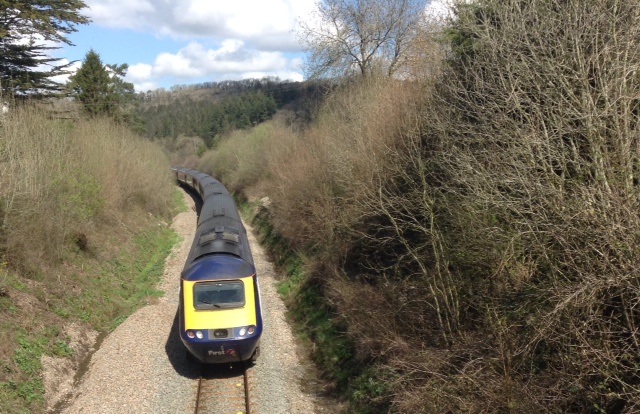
100 87
25 26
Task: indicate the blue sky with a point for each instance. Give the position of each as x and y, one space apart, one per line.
169 42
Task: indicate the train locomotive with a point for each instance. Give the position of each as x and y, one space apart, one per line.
220 319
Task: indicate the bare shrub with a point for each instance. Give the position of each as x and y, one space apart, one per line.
510 207
318 175
531 168
27 177
302 193
376 324
400 222
133 171
425 60
186 151
241 160
58 180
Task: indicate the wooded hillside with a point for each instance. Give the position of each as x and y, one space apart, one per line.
211 110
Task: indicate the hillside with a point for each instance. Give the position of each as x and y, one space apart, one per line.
83 237
212 110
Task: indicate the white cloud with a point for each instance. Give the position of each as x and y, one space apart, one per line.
139 72
231 60
127 14
268 25
440 10
64 78
145 86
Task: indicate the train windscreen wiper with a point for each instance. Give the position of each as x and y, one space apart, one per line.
209 303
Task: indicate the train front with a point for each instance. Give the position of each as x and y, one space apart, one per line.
220 315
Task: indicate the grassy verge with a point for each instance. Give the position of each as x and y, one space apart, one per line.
178 202
86 290
123 283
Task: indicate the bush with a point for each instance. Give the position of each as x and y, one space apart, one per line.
58 179
478 232
530 169
320 175
242 159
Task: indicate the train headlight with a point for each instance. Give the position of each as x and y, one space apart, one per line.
243 331
191 334
251 330
199 335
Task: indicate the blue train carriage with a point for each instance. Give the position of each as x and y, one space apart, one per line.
220 313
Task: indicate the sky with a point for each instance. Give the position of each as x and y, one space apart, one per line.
175 42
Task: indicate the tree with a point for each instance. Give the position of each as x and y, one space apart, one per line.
100 87
359 36
27 30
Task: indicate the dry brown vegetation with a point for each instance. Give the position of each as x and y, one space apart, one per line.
477 226
185 151
58 180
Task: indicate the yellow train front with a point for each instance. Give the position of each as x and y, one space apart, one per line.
220 318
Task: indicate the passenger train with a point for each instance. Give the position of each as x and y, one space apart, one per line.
219 313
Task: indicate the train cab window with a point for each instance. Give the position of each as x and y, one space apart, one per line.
218 295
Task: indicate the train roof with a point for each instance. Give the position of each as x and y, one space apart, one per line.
208 185
215 238
220 229
218 267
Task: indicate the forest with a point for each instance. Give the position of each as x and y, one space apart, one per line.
212 110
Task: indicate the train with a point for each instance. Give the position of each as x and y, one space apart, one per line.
220 316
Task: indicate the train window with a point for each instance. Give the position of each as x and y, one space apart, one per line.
218 295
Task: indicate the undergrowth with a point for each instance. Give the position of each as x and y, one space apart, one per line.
316 323
100 293
469 242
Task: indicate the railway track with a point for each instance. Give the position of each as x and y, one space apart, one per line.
225 388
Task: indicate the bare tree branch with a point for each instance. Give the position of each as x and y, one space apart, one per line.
344 37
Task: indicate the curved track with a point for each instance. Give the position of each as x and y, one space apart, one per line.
225 388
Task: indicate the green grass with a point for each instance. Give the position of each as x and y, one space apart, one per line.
24 390
127 281
178 202
111 291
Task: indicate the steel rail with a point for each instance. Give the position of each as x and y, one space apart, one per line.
198 394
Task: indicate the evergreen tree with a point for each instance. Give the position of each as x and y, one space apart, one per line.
25 26
100 87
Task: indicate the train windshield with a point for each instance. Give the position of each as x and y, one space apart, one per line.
218 295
